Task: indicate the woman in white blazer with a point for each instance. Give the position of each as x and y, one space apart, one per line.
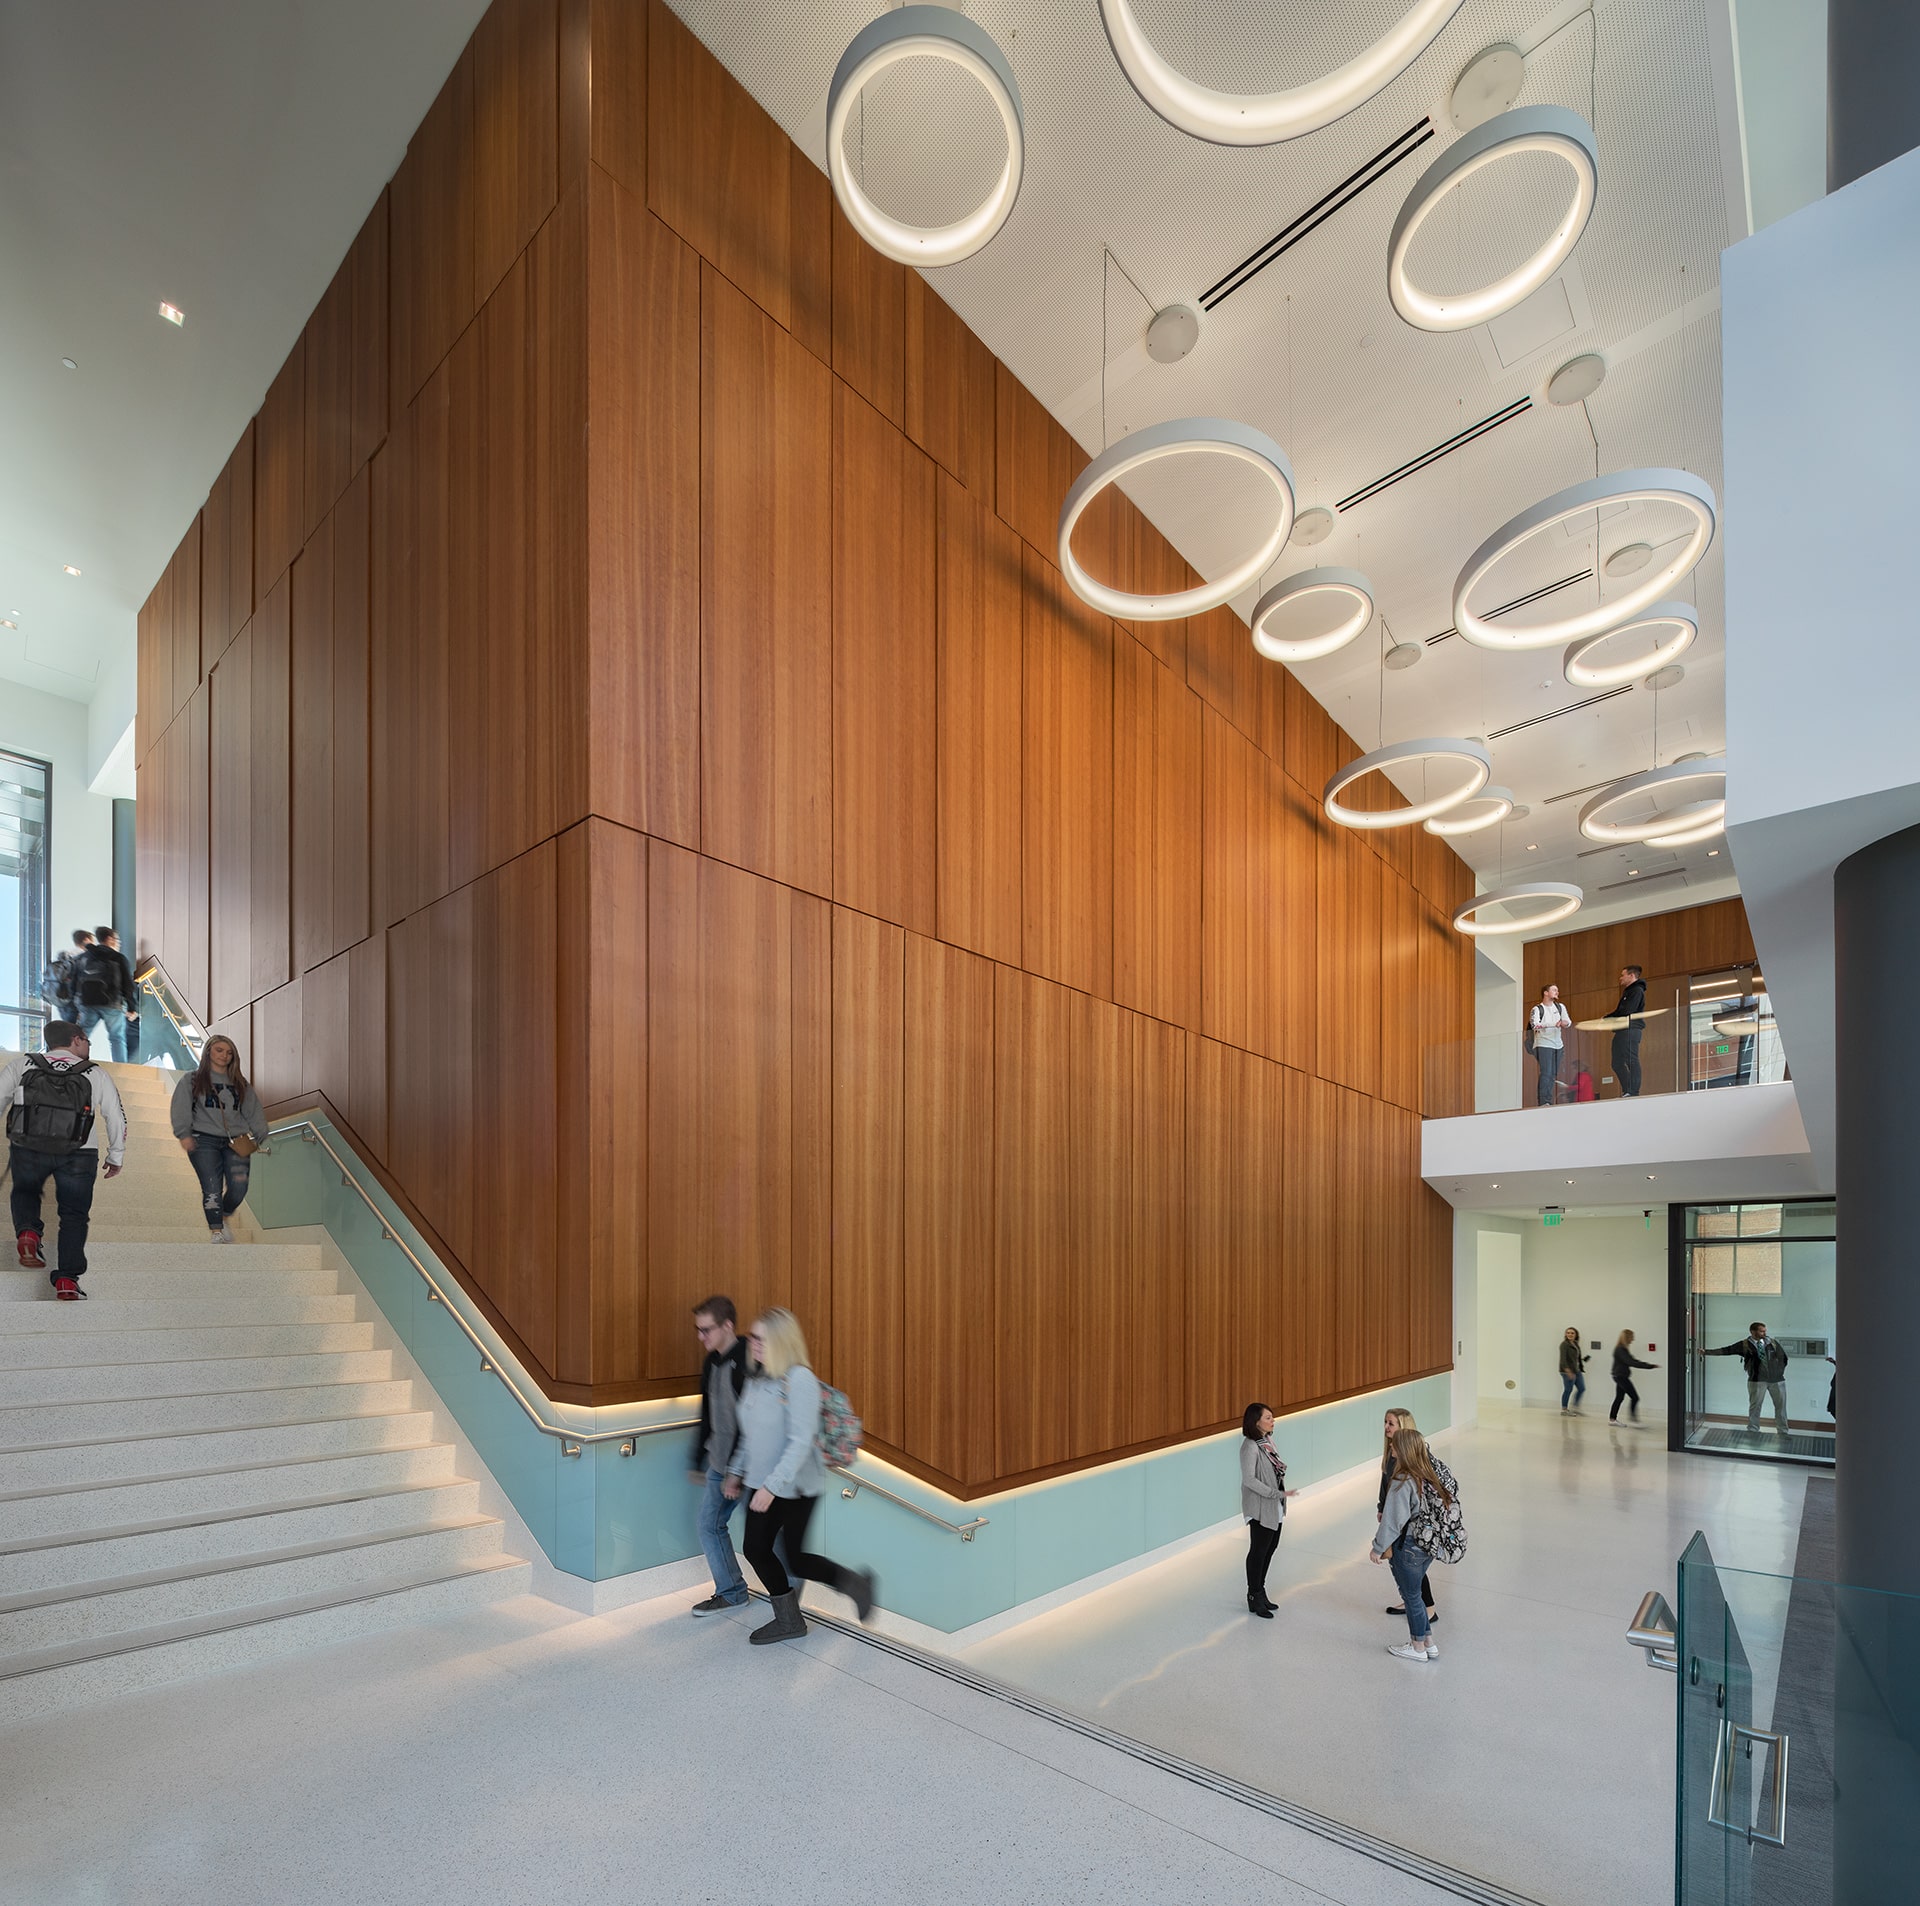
1263 1501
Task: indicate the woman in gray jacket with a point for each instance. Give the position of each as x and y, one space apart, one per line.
778 1458
1263 1501
213 1108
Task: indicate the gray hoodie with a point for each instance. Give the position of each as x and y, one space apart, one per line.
226 1117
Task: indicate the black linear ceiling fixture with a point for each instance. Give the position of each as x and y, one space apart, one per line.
1519 602
1643 880
1573 794
1554 714
1317 214
1458 441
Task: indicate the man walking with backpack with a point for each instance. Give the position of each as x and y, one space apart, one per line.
58 1103
103 993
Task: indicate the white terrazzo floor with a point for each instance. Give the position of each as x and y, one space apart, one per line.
1538 1751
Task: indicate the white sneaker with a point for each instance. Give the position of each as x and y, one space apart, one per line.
1409 1651
218 1235
1433 1649
226 1233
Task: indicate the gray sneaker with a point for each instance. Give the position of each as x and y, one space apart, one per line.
715 1605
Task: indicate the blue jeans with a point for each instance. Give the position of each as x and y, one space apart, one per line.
1548 1059
114 1018
716 1511
1409 1566
223 1175
74 1175
1574 1387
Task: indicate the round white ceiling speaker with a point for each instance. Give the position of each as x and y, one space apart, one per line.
1520 813
1312 526
1180 436
1488 808
1264 119
1577 379
1284 615
1173 333
1669 677
1402 655
1561 900
1678 824
1670 626
1489 84
1629 559
921 32
1549 129
1698 754
1679 487
1479 772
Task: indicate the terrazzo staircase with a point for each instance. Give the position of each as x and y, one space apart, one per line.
209 1462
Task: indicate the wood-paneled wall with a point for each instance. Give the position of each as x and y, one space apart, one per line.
617 734
1586 965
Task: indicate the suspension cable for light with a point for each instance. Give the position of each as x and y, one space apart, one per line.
1468 817
1264 119
1182 436
1549 129
1622 486
1564 898
1479 773
1346 588
922 32
1675 828
1673 624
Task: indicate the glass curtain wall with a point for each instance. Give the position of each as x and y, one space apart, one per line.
1772 1265
25 798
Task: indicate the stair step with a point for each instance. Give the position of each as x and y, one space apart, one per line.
104 1382
216 1490
108 1610
61 1677
45 1349
231 1275
66 1560
199 1255
247 1303
77 1465
37 1425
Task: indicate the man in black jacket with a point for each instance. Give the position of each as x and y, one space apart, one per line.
1626 1042
103 992
1766 1376
723 1374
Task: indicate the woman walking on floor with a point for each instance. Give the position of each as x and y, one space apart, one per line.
1573 1371
1399 1420
219 1123
1263 1501
778 1458
1625 1363
1421 1524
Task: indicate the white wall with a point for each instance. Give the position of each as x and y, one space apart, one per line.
82 823
1497 1015
1604 1275
1499 1365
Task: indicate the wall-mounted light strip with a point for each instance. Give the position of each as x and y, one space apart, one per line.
1572 708
1459 441
1519 602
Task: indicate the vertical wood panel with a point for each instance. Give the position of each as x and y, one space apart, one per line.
390 636
1225 670
269 834
869 320
274 1063
280 457
368 260
327 422
216 527
311 729
978 710
349 909
198 812
766 763
1101 1324
810 1289
1348 1022
1400 1055
1212 1290
184 596
1157 1242
810 222
425 740
516 132
884 808
1035 462
1313 751
1067 784
1313 1220
242 567
1157 568
230 877
947 383
367 1043
326 1036
466 674
431 213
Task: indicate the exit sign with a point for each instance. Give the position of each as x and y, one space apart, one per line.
1551 1218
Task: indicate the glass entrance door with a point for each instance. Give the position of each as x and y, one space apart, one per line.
1715 1863
24 788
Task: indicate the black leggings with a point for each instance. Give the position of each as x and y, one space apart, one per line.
1622 1390
1261 1544
786 1522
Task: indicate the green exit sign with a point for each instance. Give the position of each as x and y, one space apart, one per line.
1551 1218
1720 1052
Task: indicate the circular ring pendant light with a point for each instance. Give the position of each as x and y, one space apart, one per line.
1264 119
1676 827
1562 901
936 33
1480 772
1549 129
1312 588
1673 626
1622 486
1488 808
1182 436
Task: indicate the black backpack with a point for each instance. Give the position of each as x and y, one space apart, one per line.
94 981
54 1112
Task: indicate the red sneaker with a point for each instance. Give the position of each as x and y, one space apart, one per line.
30 1257
68 1290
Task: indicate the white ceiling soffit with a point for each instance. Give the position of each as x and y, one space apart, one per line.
1306 346
219 155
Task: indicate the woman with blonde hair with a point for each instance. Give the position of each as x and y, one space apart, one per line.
778 1458
1421 1521
1625 1363
1399 1420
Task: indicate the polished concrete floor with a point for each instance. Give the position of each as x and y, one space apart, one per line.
1538 1751
523 1754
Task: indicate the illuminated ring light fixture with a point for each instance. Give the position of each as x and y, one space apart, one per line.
1674 622
1479 763
1265 119
1344 586
1678 827
1181 436
1550 129
924 33
1488 808
1563 900
1622 486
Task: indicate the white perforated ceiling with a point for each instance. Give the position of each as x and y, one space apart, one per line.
1310 349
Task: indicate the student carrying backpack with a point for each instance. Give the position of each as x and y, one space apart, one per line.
1420 1523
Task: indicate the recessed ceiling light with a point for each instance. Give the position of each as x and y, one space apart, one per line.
1493 1187
1713 853
172 313
1569 1181
69 568
69 363
7 622
1650 1178
1533 846
1632 871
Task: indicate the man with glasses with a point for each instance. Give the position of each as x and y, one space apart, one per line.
723 1373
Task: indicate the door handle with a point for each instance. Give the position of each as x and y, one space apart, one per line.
1730 1742
1652 1629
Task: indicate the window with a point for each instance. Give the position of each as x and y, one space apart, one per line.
25 797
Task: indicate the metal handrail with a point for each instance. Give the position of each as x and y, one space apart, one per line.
188 1036
572 1442
1652 1629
